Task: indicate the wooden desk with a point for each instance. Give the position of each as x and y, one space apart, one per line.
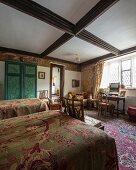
117 99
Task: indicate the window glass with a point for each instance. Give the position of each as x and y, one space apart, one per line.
134 73
126 79
126 65
114 72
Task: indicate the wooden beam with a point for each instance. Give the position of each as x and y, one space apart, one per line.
109 56
4 49
128 51
59 60
98 10
94 13
37 11
64 38
89 37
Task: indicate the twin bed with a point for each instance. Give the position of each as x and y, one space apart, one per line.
52 140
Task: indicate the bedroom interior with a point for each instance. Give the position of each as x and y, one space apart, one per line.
68 84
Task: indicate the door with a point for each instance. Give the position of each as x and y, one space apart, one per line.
61 80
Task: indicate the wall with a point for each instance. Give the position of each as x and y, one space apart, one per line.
69 75
2 73
43 84
71 72
88 77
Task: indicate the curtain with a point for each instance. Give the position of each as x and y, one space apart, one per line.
98 77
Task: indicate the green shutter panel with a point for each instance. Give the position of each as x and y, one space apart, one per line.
13 81
20 80
29 81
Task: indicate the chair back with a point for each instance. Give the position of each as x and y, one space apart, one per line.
102 97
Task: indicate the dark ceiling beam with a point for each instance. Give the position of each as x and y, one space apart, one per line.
4 49
89 37
109 56
59 60
93 14
64 38
37 11
128 51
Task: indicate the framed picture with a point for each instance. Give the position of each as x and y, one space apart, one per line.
41 75
122 93
43 94
75 83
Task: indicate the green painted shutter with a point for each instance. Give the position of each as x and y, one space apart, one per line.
30 74
20 80
13 81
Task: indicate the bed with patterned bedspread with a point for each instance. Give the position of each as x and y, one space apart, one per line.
51 140
20 107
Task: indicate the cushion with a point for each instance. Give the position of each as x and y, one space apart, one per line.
70 96
79 97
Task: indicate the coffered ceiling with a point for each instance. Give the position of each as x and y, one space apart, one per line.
67 29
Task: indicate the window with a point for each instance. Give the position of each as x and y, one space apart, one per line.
126 73
121 71
114 73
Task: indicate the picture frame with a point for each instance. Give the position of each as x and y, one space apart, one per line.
43 94
41 75
75 83
122 93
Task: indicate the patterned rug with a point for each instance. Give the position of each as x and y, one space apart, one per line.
124 133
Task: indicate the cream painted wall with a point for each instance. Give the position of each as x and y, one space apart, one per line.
43 84
69 75
2 73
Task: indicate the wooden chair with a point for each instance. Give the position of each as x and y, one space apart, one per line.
74 108
103 104
94 102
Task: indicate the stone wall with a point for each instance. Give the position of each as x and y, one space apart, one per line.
39 61
88 77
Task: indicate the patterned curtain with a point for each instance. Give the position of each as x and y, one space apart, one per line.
98 77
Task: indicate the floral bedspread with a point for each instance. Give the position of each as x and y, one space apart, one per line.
51 140
19 107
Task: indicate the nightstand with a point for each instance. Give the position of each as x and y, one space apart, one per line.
55 106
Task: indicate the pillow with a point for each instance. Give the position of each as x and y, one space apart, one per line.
70 96
22 110
79 97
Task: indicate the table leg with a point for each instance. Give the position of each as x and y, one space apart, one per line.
117 108
124 106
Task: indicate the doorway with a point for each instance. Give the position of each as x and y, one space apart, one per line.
56 82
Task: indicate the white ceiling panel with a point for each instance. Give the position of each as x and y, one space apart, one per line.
117 26
23 32
77 48
72 10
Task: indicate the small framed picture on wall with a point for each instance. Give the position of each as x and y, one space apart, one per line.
41 75
75 83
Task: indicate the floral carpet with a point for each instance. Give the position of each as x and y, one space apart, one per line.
124 133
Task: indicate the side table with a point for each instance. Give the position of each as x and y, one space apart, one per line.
55 106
